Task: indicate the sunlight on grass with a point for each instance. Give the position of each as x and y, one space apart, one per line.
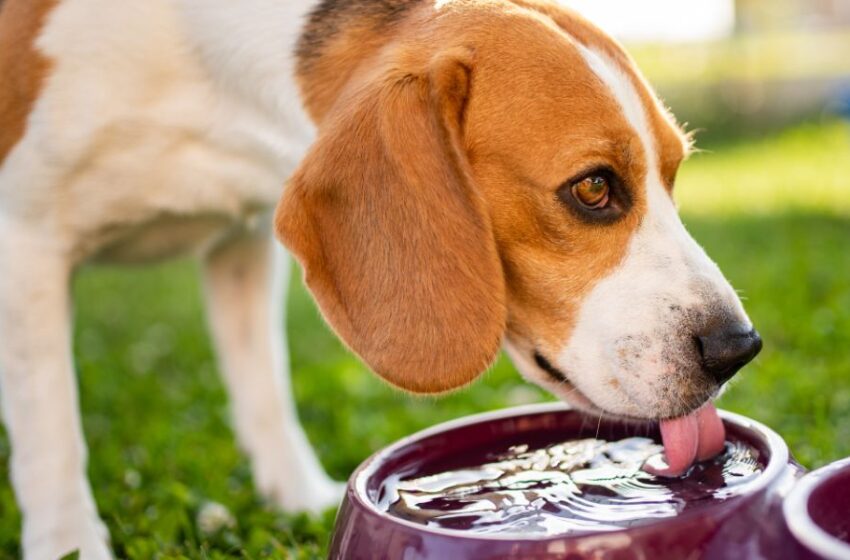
771 56
804 169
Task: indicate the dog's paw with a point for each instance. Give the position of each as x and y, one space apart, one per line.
328 496
294 481
81 537
317 499
314 494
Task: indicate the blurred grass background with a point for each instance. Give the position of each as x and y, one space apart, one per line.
768 196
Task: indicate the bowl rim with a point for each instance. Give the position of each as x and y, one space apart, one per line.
795 510
777 463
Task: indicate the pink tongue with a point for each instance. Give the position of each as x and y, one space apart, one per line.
681 440
697 436
712 434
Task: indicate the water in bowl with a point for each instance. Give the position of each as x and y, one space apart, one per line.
571 487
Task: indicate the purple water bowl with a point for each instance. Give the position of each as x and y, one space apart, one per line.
747 524
817 512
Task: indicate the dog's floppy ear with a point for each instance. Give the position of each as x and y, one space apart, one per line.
393 236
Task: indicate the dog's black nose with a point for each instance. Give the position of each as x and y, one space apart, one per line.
727 349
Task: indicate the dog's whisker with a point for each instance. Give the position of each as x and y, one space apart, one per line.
598 426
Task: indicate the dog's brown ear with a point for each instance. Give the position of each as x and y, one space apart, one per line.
393 236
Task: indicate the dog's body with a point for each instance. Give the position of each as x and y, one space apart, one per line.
140 118
136 131
147 139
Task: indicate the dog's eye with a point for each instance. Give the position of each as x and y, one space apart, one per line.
592 192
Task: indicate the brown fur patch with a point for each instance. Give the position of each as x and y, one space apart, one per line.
330 17
536 116
339 36
529 131
672 143
22 67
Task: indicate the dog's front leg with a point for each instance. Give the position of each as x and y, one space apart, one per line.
39 403
245 281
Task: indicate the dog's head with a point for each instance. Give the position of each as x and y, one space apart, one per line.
501 173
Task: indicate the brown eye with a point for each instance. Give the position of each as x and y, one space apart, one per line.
592 192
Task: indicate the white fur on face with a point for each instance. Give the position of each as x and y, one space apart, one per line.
632 351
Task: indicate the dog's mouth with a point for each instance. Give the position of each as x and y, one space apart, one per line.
696 436
565 389
557 375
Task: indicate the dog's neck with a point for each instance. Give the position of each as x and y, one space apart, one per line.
248 47
339 36
256 47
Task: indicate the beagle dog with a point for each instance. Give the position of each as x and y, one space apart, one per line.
455 176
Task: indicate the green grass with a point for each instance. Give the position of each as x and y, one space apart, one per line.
774 213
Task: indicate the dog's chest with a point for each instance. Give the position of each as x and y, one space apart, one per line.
168 185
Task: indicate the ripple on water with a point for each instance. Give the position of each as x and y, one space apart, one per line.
575 486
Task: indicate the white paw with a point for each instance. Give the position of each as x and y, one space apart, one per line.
316 498
328 496
290 476
312 493
75 533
